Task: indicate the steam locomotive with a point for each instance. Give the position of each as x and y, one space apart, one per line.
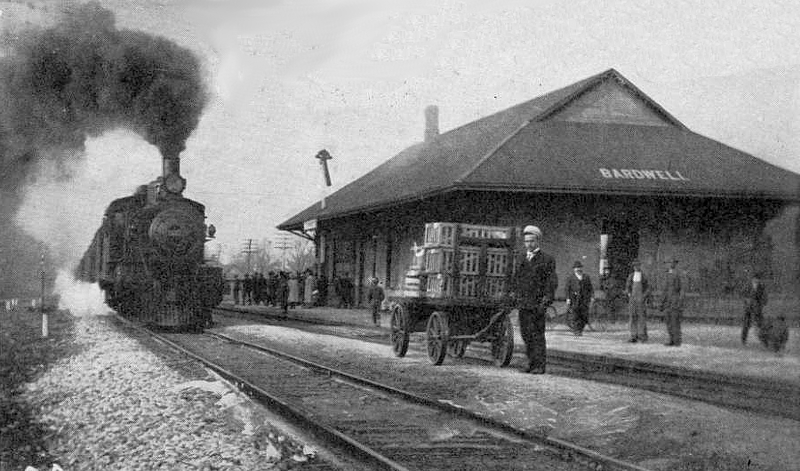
148 256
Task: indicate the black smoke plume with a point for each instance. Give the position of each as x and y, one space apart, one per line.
80 78
83 76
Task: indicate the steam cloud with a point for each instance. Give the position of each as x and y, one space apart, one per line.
79 78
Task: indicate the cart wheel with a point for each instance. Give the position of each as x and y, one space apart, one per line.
457 348
438 333
399 331
503 344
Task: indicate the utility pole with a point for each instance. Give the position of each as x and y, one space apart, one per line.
248 248
283 245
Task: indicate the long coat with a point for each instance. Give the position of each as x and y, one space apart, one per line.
755 298
579 292
672 298
375 296
535 281
294 290
309 287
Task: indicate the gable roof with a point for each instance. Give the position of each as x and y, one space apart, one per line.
598 135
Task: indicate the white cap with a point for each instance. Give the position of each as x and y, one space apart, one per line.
532 230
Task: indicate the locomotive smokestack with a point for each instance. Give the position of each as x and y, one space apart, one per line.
171 166
171 169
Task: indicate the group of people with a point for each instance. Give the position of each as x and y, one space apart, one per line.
535 282
580 294
281 289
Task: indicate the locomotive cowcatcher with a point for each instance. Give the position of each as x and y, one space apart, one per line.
455 291
148 256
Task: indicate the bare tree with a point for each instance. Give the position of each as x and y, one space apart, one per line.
263 261
260 259
300 256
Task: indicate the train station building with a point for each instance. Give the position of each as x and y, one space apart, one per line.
601 168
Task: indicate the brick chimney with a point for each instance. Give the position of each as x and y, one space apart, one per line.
431 122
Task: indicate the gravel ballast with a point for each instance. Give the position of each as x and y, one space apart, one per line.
117 405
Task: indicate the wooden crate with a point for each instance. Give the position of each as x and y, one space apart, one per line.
485 232
469 260
439 286
443 234
469 286
439 260
497 262
440 234
495 287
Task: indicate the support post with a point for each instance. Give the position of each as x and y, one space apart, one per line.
45 326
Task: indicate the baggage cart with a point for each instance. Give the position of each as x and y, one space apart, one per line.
455 290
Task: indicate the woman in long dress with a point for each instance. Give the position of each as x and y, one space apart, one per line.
310 287
294 290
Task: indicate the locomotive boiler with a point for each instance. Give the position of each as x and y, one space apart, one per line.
148 256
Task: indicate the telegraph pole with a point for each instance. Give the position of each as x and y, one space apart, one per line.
247 248
283 245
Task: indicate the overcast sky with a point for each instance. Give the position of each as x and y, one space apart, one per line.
289 78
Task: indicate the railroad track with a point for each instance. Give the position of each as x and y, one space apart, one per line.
381 426
763 397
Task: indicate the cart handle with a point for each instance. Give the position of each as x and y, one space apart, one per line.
495 317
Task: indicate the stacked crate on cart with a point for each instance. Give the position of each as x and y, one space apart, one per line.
466 260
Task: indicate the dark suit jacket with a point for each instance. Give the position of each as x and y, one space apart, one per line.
645 286
756 297
535 281
672 297
579 292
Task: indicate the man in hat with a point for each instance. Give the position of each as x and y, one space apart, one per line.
374 299
755 298
237 288
534 286
579 292
672 304
608 293
637 288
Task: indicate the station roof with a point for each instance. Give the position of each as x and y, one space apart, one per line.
601 135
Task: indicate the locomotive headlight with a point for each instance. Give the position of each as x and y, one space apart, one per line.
175 183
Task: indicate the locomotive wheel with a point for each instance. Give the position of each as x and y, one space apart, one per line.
399 331
437 332
503 344
457 348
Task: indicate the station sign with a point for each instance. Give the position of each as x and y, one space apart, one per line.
642 174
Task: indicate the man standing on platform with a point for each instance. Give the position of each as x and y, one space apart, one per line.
672 304
247 285
579 293
755 298
637 288
608 294
534 283
375 297
237 287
